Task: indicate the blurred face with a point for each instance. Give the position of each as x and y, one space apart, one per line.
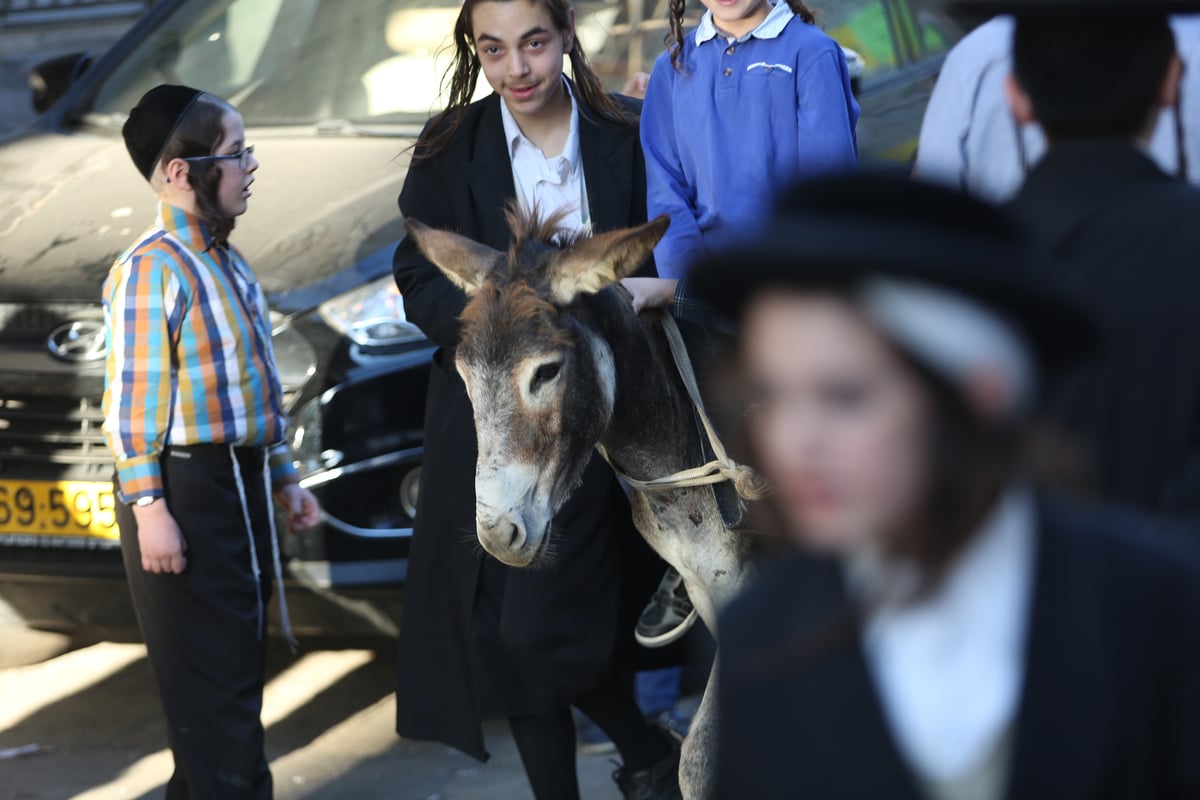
737 17
521 54
233 192
837 422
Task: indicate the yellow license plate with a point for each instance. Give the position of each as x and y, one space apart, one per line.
58 508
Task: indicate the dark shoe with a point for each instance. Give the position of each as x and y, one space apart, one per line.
658 782
669 615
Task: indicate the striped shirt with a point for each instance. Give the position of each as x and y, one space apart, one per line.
189 354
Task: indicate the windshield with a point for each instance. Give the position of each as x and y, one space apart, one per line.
289 62
286 62
302 62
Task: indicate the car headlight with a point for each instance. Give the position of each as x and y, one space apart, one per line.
371 315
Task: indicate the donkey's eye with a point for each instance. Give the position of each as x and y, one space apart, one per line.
545 373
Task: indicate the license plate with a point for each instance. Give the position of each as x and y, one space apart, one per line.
58 508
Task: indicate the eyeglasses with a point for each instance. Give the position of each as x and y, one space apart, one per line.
242 158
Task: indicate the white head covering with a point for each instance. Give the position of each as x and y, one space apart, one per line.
953 335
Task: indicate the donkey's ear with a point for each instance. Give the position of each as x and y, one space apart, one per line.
591 264
464 261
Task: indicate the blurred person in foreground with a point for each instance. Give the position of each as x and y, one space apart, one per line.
949 631
1122 234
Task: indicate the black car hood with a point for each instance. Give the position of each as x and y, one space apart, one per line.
70 204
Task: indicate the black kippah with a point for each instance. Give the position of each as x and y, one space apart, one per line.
153 120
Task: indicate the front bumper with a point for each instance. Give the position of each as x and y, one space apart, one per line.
360 448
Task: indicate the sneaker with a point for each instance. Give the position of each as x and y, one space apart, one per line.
657 782
591 740
669 615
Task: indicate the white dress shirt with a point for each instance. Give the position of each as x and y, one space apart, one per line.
549 184
949 668
969 137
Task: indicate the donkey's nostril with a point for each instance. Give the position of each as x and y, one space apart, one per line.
513 535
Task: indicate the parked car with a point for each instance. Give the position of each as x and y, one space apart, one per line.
333 94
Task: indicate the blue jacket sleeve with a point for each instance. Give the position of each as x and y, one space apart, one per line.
667 189
826 116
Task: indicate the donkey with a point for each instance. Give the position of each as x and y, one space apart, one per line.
556 364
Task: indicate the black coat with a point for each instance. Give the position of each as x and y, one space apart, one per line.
1126 238
479 640
1111 701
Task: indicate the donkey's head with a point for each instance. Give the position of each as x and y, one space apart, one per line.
542 382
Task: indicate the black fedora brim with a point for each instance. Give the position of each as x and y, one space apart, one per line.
819 253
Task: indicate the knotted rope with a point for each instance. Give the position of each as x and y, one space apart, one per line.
748 484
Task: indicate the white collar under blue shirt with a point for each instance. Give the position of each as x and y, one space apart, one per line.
549 184
777 19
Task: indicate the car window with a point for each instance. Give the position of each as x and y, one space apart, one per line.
296 61
305 61
214 46
288 62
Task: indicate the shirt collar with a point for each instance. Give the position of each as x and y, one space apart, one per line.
516 139
1001 541
187 228
950 713
778 18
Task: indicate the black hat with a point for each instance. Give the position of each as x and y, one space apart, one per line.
844 231
153 120
1078 10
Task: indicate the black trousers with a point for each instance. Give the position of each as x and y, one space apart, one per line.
546 743
205 628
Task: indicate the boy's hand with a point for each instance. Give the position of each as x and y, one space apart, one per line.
159 538
303 510
650 292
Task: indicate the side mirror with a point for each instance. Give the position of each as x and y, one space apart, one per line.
51 79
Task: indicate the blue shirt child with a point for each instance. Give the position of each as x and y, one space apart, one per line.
745 118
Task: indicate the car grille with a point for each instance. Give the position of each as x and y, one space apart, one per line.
32 324
63 431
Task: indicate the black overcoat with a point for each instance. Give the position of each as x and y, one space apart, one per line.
1126 238
1110 707
479 640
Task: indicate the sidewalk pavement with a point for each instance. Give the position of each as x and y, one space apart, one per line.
22 47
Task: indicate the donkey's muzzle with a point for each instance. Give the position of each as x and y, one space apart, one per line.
504 536
511 527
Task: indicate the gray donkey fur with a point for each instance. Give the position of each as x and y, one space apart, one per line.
557 363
